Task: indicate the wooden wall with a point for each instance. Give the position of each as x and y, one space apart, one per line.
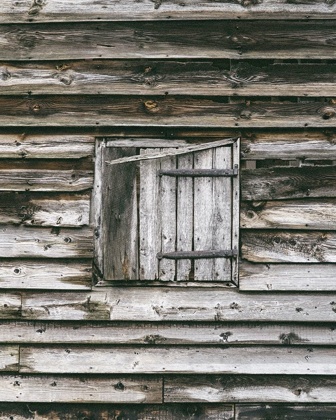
73 72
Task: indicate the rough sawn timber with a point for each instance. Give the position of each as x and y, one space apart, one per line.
299 412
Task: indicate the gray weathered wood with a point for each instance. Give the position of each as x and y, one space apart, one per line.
33 242
256 388
179 304
10 305
63 275
287 277
306 214
288 183
65 389
236 193
9 358
152 77
130 40
215 360
291 247
303 412
44 209
120 218
96 206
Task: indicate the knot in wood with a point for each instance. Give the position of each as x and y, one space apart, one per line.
245 114
62 67
37 108
28 41
152 107
36 7
5 75
328 112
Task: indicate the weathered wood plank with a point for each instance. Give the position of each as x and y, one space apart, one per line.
287 277
97 206
89 111
9 358
285 412
125 40
291 247
34 242
306 214
65 389
179 304
43 274
205 360
220 334
44 209
306 146
10 305
237 388
288 182
45 146
120 218
112 412
153 77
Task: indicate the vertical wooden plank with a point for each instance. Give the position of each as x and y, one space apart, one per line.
235 209
203 215
167 268
185 205
222 218
120 216
96 208
150 229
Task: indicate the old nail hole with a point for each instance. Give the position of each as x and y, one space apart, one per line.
17 271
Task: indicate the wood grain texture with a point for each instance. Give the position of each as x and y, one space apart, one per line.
256 388
288 183
34 242
285 412
65 389
306 214
194 39
214 360
222 334
9 358
58 210
152 77
112 412
10 305
43 274
287 277
179 304
39 146
109 111
290 247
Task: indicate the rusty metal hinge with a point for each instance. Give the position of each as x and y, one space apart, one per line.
192 255
199 172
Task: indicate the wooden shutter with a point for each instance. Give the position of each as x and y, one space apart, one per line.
174 217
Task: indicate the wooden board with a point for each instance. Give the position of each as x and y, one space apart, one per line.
65 389
10 305
9 358
109 111
288 183
291 247
152 77
130 40
222 334
305 214
303 412
211 360
34 242
43 274
179 304
40 146
256 388
286 277
59 210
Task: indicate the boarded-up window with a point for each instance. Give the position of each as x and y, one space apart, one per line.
170 212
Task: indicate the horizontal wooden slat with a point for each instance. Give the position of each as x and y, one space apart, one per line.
307 214
64 389
288 182
43 274
314 145
303 412
292 247
86 111
175 304
66 210
286 277
112 412
120 360
45 146
23 242
10 305
153 77
220 334
9 358
195 39
265 388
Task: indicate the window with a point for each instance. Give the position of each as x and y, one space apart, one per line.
167 210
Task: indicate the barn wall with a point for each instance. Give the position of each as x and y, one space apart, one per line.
71 74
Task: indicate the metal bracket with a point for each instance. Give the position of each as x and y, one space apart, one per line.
200 172
193 255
